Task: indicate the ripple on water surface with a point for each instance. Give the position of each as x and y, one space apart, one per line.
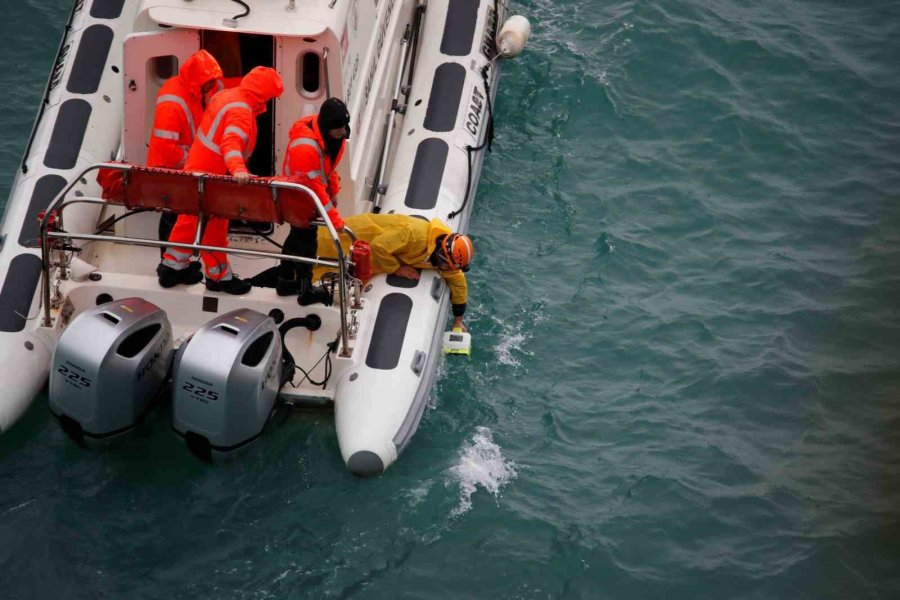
683 383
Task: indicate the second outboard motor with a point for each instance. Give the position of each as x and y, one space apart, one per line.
225 382
109 365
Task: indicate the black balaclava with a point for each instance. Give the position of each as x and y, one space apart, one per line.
437 253
333 115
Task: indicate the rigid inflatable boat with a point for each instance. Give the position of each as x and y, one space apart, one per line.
80 304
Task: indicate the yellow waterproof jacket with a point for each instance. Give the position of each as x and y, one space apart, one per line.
398 240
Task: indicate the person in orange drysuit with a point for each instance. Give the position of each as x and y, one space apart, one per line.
315 148
225 139
179 107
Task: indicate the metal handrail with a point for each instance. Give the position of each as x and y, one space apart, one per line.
380 188
59 203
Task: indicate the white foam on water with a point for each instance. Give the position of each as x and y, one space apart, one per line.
480 464
417 494
516 334
509 342
439 372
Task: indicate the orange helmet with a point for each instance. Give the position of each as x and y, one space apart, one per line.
457 250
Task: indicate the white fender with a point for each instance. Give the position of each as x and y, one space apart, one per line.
513 36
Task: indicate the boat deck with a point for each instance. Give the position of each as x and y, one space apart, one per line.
130 271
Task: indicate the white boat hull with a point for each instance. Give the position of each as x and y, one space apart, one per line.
380 391
380 404
27 357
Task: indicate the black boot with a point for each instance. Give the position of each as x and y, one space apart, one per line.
169 277
286 287
312 295
267 279
234 286
294 278
287 279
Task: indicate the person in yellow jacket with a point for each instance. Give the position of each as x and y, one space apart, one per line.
403 244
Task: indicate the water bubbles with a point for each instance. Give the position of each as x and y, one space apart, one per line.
480 464
603 78
516 332
510 342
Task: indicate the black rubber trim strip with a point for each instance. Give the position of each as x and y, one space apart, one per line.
93 49
18 291
389 331
459 28
427 173
402 282
68 133
45 190
446 92
107 9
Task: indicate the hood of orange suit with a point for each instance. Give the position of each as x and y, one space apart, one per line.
260 85
199 68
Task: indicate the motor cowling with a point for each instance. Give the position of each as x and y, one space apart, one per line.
225 382
109 365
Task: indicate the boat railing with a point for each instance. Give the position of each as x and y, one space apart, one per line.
206 196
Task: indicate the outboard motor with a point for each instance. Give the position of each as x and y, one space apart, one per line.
225 382
109 365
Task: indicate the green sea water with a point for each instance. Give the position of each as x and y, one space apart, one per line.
686 374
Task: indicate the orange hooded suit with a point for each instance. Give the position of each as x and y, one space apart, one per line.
225 139
179 107
308 160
